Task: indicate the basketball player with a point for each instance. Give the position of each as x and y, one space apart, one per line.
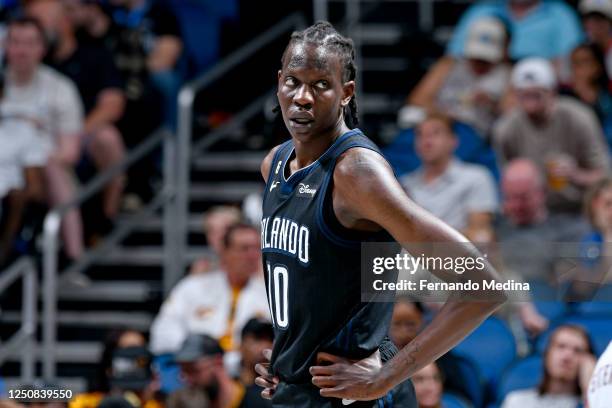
328 190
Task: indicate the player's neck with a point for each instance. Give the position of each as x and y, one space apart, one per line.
308 151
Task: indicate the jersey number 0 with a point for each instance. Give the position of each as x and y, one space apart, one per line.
278 295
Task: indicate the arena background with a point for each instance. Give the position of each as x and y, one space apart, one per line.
61 315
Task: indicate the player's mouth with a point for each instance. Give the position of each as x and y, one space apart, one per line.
301 123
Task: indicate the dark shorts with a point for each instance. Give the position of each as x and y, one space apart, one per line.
307 395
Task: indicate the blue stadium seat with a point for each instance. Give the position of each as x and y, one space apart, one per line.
450 400
492 347
595 308
598 327
169 373
550 309
524 373
472 379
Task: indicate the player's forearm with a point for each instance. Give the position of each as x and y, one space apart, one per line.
452 323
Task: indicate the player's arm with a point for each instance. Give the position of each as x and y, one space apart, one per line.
365 189
267 162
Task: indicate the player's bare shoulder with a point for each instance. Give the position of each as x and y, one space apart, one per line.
359 167
267 162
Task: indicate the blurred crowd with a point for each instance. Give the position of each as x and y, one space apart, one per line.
507 138
83 82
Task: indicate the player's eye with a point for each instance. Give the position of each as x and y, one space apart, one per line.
290 81
322 84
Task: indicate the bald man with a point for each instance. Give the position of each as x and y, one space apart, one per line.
525 233
524 194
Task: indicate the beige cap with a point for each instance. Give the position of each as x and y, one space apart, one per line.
486 40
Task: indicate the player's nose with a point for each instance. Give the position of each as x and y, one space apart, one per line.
303 96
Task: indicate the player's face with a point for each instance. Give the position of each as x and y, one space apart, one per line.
428 386
567 347
434 141
405 323
24 47
311 92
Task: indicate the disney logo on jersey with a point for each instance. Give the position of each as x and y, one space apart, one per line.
304 190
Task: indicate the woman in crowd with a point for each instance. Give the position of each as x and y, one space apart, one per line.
568 365
589 81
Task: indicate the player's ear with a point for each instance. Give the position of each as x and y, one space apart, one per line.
279 74
348 90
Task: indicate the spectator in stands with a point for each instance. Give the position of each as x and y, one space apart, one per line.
600 386
93 71
406 321
147 46
589 81
21 167
597 21
90 20
124 371
257 336
115 339
596 245
548 29
216 222
131 377
461 194
429 386
562 136
469 87
50 102
526 227
217 303
201 361
568 365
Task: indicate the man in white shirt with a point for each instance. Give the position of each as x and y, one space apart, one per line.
20 177
462 195
217 303
600 386
52 104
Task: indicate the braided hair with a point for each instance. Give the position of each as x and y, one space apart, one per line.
323 34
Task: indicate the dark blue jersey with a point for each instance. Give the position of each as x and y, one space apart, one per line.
312 267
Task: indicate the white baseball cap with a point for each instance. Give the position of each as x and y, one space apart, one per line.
596 6
534 73
486 40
